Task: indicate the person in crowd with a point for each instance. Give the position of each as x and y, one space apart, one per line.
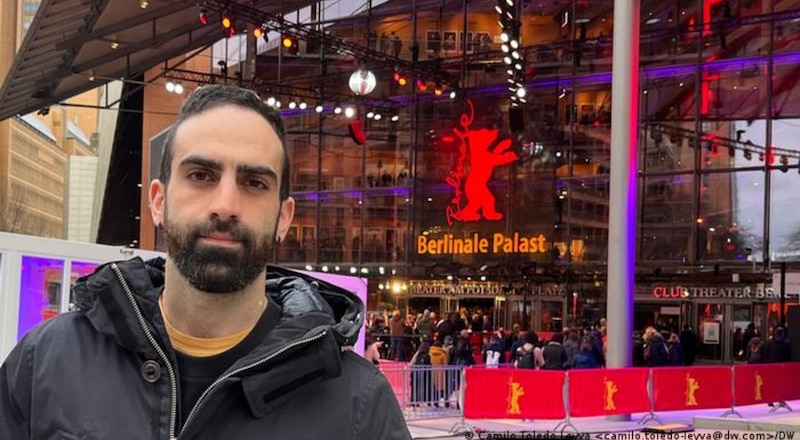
688 340
675 350
519 342
777 349
638 350
439 359
372 349
464 352
421 386
571 346
397 350
476 325
529 355
205 342
425 325
755 349
656 352
494 352
555 357
585 357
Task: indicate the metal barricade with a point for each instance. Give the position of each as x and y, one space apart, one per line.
427 391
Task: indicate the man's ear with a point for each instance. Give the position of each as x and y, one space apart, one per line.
158 197
285 218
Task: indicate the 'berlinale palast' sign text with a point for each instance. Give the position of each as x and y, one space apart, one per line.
476 244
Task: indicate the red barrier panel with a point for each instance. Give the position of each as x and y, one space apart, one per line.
790 385
514 394
681 388
608 391
757 383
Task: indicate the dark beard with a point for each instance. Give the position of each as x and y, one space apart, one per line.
215 269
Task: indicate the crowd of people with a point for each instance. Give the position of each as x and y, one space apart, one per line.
458 338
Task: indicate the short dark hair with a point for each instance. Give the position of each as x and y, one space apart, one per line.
213 96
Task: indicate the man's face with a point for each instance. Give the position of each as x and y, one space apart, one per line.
221 211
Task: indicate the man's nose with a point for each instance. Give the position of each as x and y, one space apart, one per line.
226 202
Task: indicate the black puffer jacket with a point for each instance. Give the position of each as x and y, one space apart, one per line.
108 371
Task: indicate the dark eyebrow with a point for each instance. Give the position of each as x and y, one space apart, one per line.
203 162
257 170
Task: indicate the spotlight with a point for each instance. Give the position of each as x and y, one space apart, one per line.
258 33
402 81
277 103
521 91
395 118
271 101
170 86
422 85
378 116
292 105
370 114
179 89
453 94
144 4
514 44
115 43
203 16
438 90
504 37
302 105
227 21
505 48
319 108
337 110
349 112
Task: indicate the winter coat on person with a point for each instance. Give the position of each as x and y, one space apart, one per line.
108 370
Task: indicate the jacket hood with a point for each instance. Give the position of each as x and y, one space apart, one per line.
307 303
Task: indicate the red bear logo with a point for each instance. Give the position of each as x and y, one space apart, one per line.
480 153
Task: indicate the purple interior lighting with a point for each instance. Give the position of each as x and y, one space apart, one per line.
38 277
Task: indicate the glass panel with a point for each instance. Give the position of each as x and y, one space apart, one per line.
666 218
80 269
386 231
40 291
340 227
552 316
301 241
784 226
784 86
730 226
303 157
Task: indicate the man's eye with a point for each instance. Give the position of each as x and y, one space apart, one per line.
200 176
257 184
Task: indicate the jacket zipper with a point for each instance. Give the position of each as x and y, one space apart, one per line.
172 381
244 368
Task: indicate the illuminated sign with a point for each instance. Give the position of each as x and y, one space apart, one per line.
480 152
716 292
497 243
481 288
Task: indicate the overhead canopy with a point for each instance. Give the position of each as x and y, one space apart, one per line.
76 45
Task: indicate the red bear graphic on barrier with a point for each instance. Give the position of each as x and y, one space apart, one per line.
480 153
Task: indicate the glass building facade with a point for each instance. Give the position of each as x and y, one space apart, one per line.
462 199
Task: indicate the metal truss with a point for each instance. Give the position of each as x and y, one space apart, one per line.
242 12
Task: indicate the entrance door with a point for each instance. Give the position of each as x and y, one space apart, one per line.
712 337
448 305
499 318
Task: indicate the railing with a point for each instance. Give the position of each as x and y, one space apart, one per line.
426 392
